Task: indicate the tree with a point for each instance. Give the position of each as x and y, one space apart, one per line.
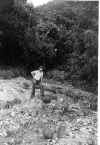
18 27
75 39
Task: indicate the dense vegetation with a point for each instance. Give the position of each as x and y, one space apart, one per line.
62 35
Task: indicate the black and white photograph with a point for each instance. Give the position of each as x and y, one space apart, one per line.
49 72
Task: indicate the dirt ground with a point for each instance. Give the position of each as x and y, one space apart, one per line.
56 119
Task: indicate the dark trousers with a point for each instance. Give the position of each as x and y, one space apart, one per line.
36 84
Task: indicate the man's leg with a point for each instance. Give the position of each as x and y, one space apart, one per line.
33 90
41 90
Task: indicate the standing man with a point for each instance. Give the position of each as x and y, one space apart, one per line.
37 80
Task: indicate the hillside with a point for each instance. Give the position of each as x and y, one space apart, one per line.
62 36
69 30
61 118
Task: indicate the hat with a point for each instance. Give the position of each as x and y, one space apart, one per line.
41 67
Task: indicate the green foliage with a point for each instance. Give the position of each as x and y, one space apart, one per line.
61 35
18 28
75 40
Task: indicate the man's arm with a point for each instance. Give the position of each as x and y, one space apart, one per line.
41 79
33 73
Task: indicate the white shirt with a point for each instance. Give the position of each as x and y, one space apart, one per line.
37 75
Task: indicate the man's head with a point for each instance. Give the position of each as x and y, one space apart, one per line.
41 68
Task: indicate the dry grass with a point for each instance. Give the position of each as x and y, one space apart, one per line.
10 72
61 121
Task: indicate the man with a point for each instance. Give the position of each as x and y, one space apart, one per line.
37 80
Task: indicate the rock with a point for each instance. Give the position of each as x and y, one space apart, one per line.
25 85
44 120
61 131
46 99
16 101
3 133
13 114
54 97
47 133
8 105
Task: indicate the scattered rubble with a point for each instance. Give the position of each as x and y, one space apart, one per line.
34 122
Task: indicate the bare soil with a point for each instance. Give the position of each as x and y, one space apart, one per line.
62 117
